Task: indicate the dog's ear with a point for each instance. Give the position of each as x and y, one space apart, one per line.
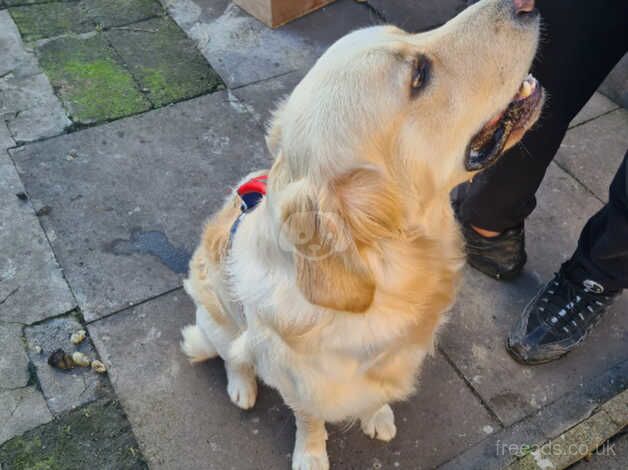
329 231
329 268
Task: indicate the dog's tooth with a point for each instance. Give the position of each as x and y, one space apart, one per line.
526 90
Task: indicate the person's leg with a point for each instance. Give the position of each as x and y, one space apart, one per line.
582 41
569 306
603 246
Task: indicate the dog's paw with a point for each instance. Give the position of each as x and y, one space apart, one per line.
242 388
303 460
381 425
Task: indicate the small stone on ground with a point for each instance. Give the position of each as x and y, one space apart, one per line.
64 390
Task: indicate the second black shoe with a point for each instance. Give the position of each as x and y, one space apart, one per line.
501 257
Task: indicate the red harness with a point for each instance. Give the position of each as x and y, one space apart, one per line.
251 193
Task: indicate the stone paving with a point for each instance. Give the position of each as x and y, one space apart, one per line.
96 230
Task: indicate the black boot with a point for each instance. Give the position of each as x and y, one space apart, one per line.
501 257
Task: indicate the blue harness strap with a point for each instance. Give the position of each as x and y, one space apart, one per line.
251 193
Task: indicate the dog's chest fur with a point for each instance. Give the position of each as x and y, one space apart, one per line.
340 364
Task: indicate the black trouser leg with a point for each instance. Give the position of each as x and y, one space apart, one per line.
603 245
582 41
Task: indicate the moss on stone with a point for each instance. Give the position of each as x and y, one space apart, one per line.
92 84
50 19
164 61
97 436
46 20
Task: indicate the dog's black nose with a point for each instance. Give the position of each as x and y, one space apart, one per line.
523 6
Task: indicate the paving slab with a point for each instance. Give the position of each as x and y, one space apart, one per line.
262 98
20 410
415 16
121 12
243 50
29 2
597 106
15 58
616 84
47 20
31 283
486 310
612 455
504 447
64 390
6 140
30 108
97 436
13 361
593 151
198 427
126 201
92 83
164 61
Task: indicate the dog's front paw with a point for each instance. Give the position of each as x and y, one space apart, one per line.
242 388
380 425
303 460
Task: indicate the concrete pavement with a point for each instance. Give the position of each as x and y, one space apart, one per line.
105 110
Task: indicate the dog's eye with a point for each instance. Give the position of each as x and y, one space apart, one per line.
420 71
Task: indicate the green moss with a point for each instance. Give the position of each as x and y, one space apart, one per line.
102 90
93 85
164 61
97 436
50 19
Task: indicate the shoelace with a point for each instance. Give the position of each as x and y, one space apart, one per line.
571 306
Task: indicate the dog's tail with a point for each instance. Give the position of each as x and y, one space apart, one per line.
196 345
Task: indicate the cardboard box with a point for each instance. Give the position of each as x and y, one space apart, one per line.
274 13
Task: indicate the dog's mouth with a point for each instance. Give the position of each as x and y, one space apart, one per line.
507 127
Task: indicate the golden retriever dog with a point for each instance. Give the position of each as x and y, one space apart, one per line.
332 288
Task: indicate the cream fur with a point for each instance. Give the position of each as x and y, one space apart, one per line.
335 285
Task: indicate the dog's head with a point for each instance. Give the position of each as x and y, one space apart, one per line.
382 110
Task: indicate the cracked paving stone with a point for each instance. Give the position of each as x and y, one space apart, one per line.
164 61
15 58
47 20
21 410
97 436
93 85
243 50
120 220
30 108
13 360
31 283
64 390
